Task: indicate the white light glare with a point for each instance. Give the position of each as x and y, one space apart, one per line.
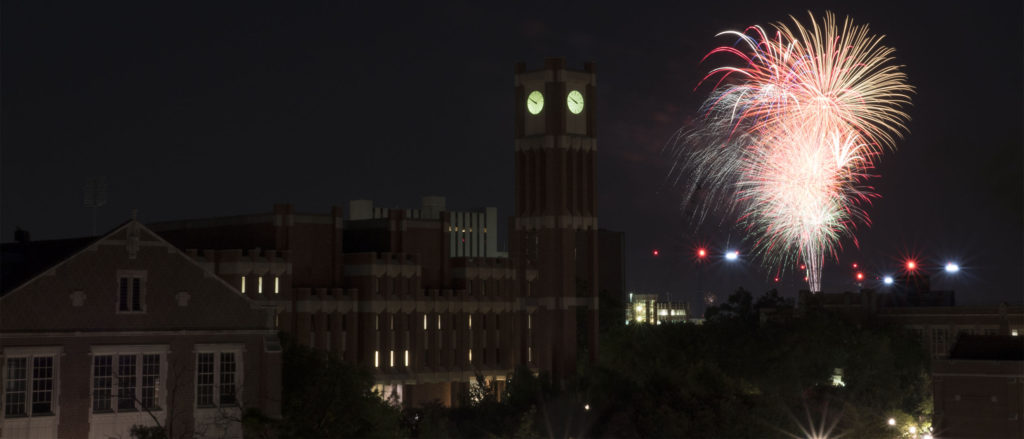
952 267
887 280
732 255
927 436
892 421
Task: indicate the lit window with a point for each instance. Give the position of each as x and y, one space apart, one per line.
529 354
259 284
529 321
392 358
1014 332
243 284
376 359
424 322
471 355
277 285
471 321
439 321
407 358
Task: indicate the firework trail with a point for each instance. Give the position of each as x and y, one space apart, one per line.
788 137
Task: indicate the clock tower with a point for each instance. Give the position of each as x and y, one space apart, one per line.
554 230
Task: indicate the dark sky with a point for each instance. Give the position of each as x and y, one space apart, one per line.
211 109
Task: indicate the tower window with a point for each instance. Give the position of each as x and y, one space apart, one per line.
243 284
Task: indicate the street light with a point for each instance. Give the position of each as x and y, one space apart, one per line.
732 255
887 280
892 421
952 267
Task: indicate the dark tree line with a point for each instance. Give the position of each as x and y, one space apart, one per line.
755 368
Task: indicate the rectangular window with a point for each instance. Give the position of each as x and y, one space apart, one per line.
406 358
125 382
227 378
259 284
243 284
277 285
376 359
14 388
42 385
204 379
150 380
102 382
392 358
424 321
129 295
217 378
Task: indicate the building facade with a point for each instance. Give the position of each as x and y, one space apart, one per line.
127 330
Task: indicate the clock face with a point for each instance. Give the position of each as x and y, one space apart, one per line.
575 101
535 102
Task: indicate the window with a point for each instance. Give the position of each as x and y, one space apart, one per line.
406 358
126 381
259 285
392 358
29 387
277 285
376 359
243 284
130 294
217 377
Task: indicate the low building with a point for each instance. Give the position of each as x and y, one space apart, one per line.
647 309
98 335
979 388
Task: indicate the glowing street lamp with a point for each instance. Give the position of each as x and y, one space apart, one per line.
732 255
952 267
892 421
701 253
860 276
911 265
887 280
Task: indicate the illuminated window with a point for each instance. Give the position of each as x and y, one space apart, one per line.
439 321
277 285
471 321
529 354
407 358
529 321
1014 332
392 358
259 285
376 359
471 355
243 284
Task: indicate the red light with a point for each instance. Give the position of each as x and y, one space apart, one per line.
854 265
860 276
802 267
655 252
911 265
702 253
776 279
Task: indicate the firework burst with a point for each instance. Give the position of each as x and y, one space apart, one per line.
789 136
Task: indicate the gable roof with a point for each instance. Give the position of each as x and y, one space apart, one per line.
21 262
62 251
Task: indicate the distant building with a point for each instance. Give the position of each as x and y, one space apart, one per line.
473 234
931 314
979 389
647 309
98 335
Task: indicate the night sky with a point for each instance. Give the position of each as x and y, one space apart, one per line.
210 110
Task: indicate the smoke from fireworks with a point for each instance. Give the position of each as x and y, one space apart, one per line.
787 138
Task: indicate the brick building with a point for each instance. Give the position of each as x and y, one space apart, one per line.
423 296
97 335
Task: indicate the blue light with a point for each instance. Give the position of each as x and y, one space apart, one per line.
952 267
732 255
887 280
